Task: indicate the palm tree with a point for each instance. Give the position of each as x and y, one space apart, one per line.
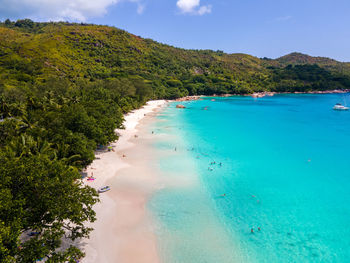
26 145
5 111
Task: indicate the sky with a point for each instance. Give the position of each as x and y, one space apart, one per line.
262 28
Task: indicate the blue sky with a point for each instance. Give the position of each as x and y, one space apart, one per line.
270 28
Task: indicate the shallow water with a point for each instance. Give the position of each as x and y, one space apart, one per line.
284 168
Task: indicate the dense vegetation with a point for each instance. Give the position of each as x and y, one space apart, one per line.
63 90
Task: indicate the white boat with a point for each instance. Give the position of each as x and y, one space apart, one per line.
104 189
338 106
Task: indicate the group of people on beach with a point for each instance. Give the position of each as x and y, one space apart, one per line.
91 177
252 230
213 163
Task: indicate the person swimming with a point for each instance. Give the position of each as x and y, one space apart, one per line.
252 230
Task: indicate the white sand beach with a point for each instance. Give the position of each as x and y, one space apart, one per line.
123 231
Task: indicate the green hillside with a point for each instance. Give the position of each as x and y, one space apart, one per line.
90 53
34 52
63 91
303 59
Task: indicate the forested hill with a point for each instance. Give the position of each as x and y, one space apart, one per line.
33 53
63 91
303 59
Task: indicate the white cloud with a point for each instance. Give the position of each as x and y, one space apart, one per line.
187 6
140 5
55 10
206 9
140 8
193 7
284 18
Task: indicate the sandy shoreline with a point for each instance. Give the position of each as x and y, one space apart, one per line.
123 231
261 94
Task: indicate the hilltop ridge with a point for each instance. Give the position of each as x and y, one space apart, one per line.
297 58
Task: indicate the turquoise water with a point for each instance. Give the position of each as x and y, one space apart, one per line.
284 168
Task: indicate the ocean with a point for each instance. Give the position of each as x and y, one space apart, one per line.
253 180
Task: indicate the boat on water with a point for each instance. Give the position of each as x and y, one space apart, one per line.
338 106
104 189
